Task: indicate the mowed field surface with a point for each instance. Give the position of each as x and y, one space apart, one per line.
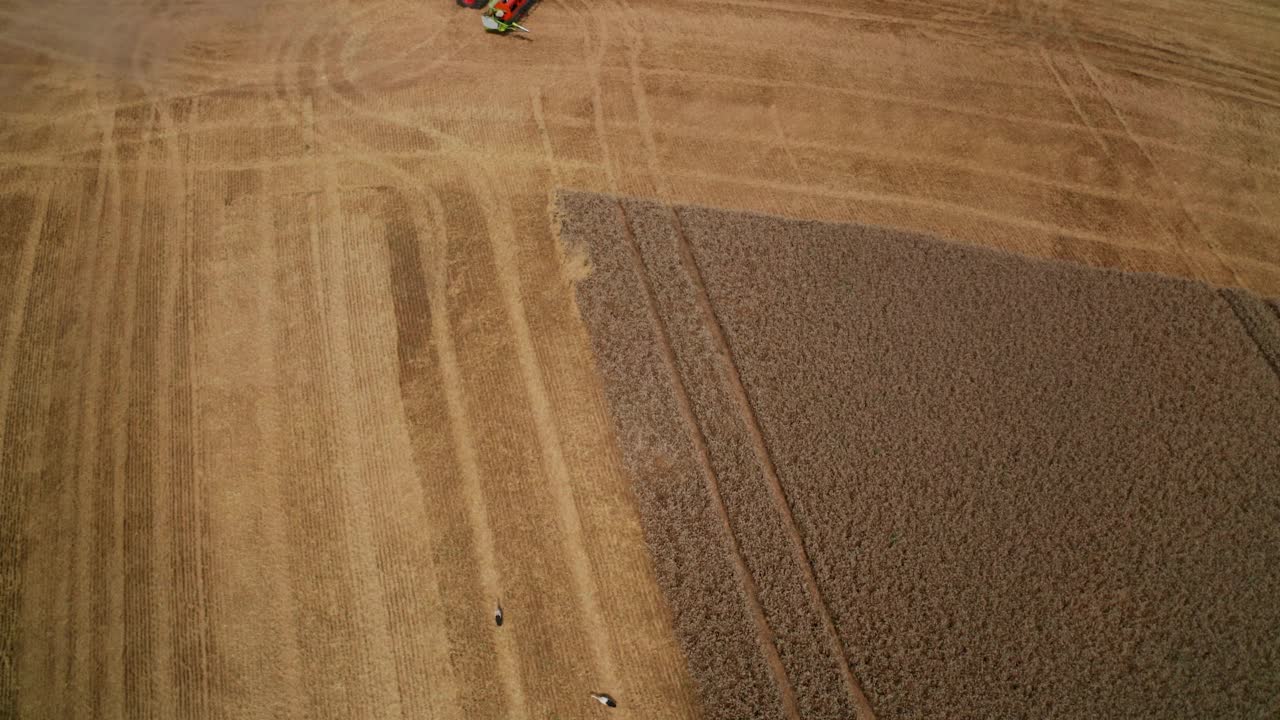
292 385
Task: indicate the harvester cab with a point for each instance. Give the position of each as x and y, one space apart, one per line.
501 16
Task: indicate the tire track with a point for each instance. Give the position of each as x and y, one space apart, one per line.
625 582
788 146
1255 80
425 204
645 119
896 199
20 401
188 564
1106 148
768 643
371 568
396 574
733 381
257 569
16 318
408 556
1071 97
1202 86
1171 188
462 434
502 240
119 686
138 478
595 64
438 472
540 118
85 675
55 611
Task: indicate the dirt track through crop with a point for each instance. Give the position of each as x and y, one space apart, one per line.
972 484
291 378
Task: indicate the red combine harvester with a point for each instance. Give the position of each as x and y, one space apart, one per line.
501 16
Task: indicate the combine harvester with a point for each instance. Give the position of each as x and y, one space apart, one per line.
501 16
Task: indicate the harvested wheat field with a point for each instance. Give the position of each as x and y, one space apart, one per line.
293 386
898 476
